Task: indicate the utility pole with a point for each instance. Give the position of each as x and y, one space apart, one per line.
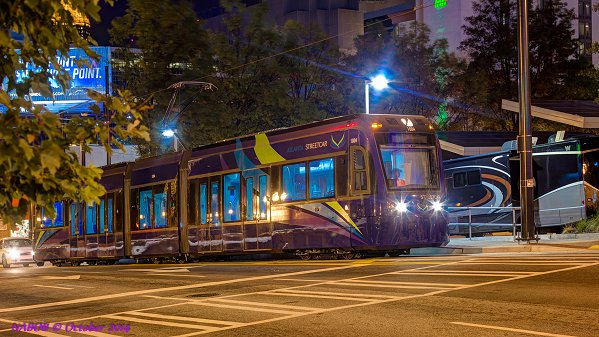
527 182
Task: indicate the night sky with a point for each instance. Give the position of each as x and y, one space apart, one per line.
99 30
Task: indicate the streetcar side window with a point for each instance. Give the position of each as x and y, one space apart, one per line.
203 204
359 171
294 182
58 211
192 202
263 192
75 219
341 176
322 178
110 214
249 198
101 215
91 219
232 197
160 206
214 201
145 208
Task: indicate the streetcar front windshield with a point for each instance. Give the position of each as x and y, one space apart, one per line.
409 167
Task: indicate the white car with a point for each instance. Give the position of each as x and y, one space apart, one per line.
16 251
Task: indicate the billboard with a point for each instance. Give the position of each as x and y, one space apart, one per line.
91 75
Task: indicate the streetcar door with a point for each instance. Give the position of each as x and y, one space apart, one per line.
77 239
215 219
106 241
257 232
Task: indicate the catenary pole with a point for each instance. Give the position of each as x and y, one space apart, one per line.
524 135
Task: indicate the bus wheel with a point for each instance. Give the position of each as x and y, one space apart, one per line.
40 264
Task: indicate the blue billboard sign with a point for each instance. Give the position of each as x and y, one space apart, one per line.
89 75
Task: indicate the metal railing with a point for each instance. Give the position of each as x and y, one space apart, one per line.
470 223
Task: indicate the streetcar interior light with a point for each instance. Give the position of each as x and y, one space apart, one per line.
275 196
437 206
401 207
283 196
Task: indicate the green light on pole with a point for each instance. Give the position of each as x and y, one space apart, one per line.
440 3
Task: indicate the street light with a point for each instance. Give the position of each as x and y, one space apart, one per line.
378 82
168 133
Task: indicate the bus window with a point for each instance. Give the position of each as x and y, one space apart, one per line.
214 202
263 199
231 197
294 182
249 198
322 178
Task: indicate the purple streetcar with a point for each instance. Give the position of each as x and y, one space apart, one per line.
344 186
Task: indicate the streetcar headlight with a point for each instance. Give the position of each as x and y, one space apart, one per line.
401 207
437 206
13 254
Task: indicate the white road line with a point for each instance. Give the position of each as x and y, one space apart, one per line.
159 270
389 286
174 275
163 323
401 299
54 287
365 296
262 304
454 274
183 318
72 277
530 332
159 290
445 285
3 330
483 272
244 308
297 280
74 285
320 296
533 264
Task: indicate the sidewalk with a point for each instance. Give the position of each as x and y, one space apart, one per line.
506 244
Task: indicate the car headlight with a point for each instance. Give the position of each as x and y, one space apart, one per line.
401 207
14 254
437 206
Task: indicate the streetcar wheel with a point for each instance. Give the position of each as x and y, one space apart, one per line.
75 263
92 263
315 256
346 256
394 253
40 264
4 262
58 264
305 257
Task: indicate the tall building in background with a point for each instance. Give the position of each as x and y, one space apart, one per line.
344 20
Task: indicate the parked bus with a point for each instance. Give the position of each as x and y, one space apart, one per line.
343 186
566 178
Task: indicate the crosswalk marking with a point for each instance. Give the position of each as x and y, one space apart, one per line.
183 318
281 306
530 332
374 285
53 287
445 285
96 334
245 308
434 273
163 323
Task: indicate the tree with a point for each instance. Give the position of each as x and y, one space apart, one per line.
35 160
491 44
162 43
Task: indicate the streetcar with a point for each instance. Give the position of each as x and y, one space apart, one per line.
343 186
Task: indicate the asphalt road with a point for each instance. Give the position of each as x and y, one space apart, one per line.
480 295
